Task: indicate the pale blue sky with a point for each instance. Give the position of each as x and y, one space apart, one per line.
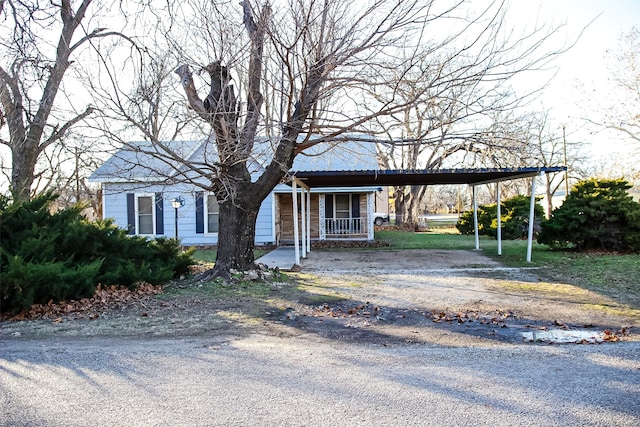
585 66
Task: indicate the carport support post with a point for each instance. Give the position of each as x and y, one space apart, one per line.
303 222
296 243
308 219
475 217
499 219
532 207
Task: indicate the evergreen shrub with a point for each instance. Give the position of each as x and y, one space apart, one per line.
597 214
514 214
48 256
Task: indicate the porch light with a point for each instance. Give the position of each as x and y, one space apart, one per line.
177 203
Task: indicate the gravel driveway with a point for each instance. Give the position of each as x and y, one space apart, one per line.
310 369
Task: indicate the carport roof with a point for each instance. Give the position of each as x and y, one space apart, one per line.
358 178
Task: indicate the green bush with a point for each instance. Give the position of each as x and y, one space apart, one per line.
514 213
486 215
54 256
597 214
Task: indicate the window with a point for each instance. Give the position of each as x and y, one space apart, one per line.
145 214
212 214
342 206
342 214
207 213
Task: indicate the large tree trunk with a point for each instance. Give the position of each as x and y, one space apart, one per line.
22 174
399 205
236 237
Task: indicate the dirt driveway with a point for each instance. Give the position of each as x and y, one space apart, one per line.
448 297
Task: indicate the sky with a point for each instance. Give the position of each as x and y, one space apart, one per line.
585 66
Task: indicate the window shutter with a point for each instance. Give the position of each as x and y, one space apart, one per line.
131 213
200 212
355 206
328 206
159 214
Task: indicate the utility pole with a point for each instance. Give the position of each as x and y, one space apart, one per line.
566 170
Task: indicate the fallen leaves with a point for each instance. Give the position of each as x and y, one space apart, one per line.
496 318
363 310
105 298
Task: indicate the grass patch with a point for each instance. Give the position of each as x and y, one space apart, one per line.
218 289
424 240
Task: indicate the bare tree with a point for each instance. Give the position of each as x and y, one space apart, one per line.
454 102
624 116
546 143
32 120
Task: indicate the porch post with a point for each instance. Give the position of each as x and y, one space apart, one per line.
308 219
303 222
296 243
499 220
475 217
321 207
370 211
532 206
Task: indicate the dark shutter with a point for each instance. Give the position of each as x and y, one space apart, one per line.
355 206
328 206
159 213
356 225
200 212
131 213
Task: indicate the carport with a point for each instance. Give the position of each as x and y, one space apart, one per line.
470 176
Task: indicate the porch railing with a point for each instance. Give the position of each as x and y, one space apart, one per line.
345 226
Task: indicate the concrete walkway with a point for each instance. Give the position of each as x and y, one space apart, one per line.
283 257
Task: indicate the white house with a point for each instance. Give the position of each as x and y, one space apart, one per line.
139 184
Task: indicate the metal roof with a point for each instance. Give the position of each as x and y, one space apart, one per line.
469 176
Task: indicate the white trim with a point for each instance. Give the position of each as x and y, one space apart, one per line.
136 198
205 209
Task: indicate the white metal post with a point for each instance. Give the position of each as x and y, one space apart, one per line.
532 206
308 220
475 217
296 243
499 220
303 223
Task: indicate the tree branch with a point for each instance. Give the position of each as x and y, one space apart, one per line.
58 134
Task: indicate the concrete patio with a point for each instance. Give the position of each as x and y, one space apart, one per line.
283 257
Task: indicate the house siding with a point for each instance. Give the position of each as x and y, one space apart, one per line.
285 216
116 205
